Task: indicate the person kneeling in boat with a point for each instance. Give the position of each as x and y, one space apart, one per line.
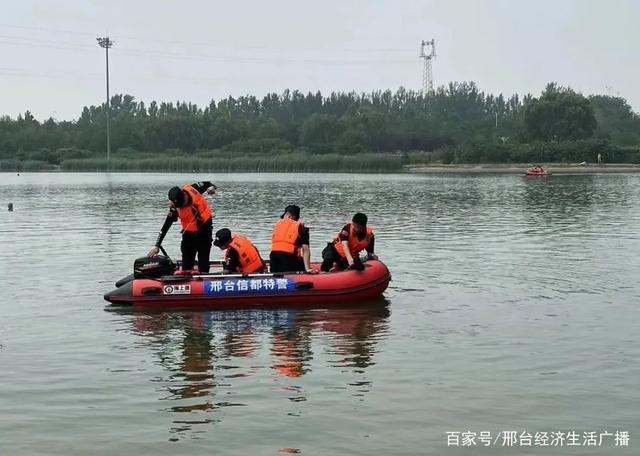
240 256
188 205
290 243
344 251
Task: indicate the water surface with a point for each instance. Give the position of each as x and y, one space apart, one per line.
513 306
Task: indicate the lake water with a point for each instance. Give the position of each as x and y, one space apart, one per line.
514 306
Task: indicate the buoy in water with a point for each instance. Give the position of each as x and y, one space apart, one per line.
10 207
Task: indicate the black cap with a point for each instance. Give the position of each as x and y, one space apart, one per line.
293 210
176 196
360 219
223 236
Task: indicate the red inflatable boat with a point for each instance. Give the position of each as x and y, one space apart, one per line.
235 290
538 171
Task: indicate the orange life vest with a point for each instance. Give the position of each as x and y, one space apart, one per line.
355 245
284 236
193 216
250 260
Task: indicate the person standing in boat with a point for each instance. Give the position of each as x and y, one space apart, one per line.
344 251
290 243
241 256
188 205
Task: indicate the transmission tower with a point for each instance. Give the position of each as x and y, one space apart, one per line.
106 43
427 73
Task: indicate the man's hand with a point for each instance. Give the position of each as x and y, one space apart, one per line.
154 251
211 190
311 271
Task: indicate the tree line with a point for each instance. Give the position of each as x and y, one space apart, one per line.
456 123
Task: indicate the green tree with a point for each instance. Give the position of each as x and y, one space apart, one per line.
616 120
559 114
320 131
459 122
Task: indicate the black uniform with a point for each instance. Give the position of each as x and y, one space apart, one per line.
193 243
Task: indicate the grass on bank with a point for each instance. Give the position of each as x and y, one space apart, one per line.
364 163
586 150
25 165
277 159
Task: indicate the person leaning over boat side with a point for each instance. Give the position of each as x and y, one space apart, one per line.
188 205
290 243
344 251
240 256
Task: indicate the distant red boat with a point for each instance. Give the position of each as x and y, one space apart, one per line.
538 171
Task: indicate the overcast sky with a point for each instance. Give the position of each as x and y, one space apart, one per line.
194 51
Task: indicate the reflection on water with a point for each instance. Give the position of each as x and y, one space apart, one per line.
205 354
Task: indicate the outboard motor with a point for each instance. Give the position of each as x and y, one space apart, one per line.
149 268
152 267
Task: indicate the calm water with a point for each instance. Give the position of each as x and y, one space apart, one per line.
513 306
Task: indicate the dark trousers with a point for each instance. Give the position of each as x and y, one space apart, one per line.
285 262
197 243
330 256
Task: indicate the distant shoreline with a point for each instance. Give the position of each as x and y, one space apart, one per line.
554 168
478 168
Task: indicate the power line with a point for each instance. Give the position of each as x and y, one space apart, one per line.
27 73
153 78
12 41
45 29
213 46
132 52
22 73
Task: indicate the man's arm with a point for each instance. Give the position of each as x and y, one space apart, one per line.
370 248
344 238
347 252
306 257
172 216
303 242
232 263
204 186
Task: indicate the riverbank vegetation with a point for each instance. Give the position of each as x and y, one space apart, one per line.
292 131
290 162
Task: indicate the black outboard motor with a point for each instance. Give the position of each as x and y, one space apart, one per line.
152 267
149 268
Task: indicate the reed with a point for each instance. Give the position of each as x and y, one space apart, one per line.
25 165
293 162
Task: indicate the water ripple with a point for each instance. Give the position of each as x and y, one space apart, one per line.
508 294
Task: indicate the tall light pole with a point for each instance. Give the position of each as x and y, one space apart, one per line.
106 43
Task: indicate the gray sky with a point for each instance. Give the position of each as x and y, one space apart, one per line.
51 64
